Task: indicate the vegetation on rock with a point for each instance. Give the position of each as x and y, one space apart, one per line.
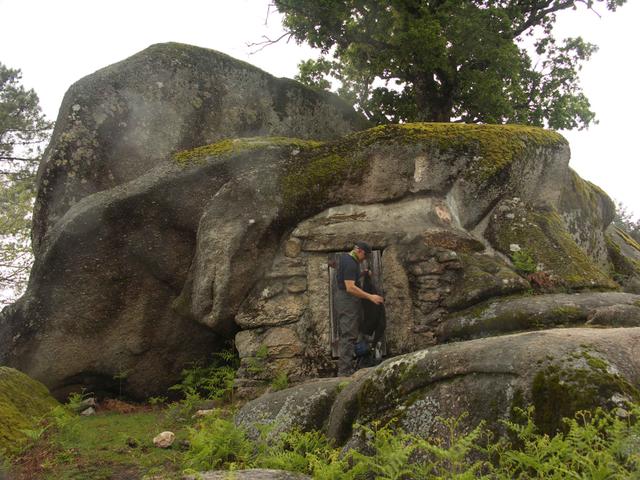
23 403
117 443
543 234
314 173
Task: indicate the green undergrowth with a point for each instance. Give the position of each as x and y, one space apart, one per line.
104 446
22 402
594 445
599 444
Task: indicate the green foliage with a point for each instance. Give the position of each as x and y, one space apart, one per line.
599 445
75 399
256 363
523 261
596 445
156 401
280 382
295 451
217 443
624 219
214 381
447 60
23 131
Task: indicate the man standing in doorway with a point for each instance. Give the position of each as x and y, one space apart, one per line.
348 304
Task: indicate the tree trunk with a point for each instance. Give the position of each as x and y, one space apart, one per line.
433 101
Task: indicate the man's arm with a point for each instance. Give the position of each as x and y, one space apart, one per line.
353 289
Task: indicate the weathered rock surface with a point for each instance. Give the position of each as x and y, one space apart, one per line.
121 216
125 119
164 439
23 403
305 407
152 253
624 253
558 371
251 474
540 312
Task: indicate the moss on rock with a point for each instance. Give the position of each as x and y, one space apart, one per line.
483 277
314 174
587 382
23 402
544 235
227 146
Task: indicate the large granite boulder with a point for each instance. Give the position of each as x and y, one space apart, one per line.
155 245
117 216
557 371
624 253
123 120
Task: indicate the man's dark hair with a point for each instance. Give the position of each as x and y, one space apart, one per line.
364 246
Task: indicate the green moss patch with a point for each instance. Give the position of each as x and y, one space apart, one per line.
543 234
23 404
228 146
314 174
494 147
559 392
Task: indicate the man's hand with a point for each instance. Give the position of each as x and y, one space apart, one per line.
377 299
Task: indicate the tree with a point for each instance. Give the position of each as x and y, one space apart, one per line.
447 60
624 220
23 131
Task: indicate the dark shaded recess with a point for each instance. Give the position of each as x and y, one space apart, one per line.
99 384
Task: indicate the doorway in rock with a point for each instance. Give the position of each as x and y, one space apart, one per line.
374 264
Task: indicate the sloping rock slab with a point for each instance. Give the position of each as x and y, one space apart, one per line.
305 407
558 371
251 474
23 402
533 313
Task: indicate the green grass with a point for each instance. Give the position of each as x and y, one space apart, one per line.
119 446
110 445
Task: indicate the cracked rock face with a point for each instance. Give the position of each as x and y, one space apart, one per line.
140 274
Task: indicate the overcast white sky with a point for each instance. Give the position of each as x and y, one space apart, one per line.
55 43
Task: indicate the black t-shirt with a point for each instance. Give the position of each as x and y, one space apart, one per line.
348 269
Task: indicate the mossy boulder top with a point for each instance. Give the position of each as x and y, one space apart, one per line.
215 238
23 403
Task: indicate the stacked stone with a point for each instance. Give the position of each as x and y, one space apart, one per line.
270 341
431 277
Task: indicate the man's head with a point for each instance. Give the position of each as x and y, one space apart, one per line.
362 249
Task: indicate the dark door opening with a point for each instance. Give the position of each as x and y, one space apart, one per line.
374 265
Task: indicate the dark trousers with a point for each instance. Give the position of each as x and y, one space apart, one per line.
349 311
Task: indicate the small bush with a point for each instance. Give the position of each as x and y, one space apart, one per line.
523 262
280 382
